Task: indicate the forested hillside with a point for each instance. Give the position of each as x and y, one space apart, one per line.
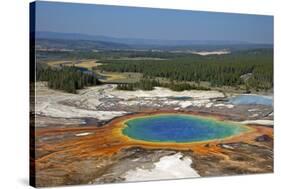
222 70
68 79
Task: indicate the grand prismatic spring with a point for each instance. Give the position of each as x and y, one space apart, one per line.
206 138
180 128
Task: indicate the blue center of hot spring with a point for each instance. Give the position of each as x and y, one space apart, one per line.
179 128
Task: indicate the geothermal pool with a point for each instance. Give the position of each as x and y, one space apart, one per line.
252 99
180 128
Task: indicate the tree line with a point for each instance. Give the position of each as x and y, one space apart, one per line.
149 84
68 79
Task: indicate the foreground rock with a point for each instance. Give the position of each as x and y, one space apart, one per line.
76 144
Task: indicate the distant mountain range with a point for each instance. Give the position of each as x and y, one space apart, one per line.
103 41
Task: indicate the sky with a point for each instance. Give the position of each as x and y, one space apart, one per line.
149 23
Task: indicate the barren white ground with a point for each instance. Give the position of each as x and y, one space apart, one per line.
169 167
106 102
85 104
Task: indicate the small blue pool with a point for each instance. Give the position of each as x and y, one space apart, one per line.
252 99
